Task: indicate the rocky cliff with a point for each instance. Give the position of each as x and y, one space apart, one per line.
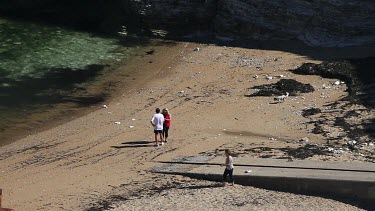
315 22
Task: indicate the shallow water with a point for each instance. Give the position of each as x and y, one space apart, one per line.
43 65
31 49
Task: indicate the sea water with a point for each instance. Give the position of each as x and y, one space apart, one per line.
40 63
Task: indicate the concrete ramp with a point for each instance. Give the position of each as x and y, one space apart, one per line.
333 179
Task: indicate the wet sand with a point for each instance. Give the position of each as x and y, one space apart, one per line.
90 162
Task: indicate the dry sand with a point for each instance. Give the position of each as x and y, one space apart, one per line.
205 195
91 159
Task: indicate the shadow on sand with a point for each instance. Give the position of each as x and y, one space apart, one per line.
196 187
134 144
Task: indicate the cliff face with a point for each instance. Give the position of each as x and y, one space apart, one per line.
177 15
315 22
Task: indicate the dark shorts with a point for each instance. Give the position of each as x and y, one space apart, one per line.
158 131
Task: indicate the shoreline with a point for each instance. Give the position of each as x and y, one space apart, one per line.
75 164
117 78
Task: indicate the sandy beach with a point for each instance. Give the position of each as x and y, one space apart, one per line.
93 163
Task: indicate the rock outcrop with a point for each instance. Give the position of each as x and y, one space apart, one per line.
316 22
330 23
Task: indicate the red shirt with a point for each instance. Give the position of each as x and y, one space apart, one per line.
167 120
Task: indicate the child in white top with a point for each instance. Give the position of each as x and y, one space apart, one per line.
228 167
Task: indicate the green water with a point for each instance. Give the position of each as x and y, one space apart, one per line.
41 65
30 49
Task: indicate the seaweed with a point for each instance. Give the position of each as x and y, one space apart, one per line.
311 112
291 86
358 74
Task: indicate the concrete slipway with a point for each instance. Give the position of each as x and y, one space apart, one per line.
355 181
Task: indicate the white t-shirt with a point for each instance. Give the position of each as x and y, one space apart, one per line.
229 160
158 120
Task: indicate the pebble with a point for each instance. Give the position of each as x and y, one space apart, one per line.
305 139
351 142
338 151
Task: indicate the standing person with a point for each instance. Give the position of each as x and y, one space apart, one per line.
228 167
157 121
167 123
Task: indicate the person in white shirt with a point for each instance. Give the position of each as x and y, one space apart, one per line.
157 121
228 167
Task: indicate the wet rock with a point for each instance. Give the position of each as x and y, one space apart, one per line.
150 52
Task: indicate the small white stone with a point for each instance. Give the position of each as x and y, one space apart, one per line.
351 142
326 86
338 151
105 106
118 123
305 139
131 126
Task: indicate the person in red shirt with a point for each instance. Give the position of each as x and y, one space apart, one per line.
167 123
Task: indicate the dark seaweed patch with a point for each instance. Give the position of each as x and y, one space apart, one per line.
310 112
358 74
305 151
302 152
291 86
342 70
